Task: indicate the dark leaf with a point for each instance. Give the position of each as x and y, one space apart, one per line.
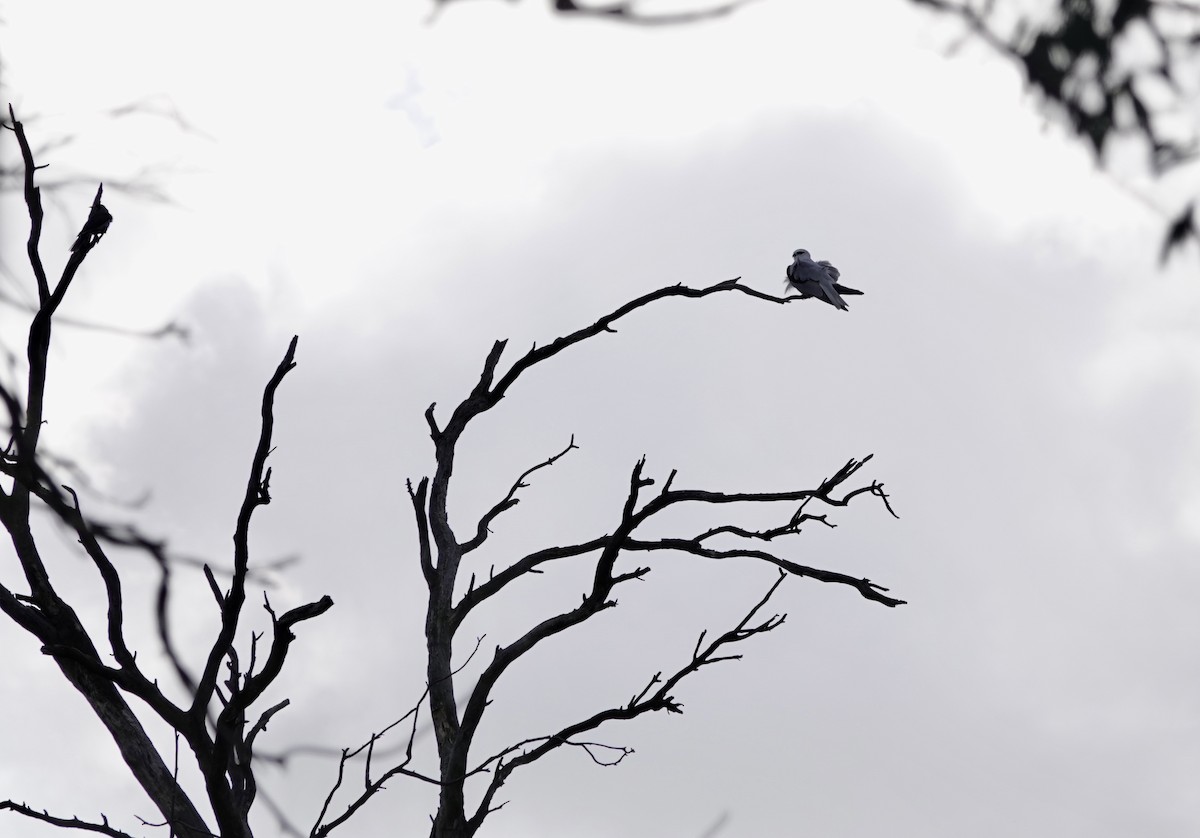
1181 229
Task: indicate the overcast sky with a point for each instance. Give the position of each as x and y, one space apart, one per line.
401 193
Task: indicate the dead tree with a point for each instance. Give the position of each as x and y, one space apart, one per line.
216 722
444 555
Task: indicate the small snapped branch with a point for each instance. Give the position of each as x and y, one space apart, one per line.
417 498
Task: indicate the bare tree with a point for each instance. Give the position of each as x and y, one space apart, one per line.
443 553
216 722
220 721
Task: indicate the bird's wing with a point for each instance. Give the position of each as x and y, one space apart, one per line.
842 289
798 275
808 288
804 277
830 269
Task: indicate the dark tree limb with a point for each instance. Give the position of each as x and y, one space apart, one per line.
257 494
529 564
476 594
66 823
33 201
644 702
43 612
593 603
321 827
216 723
418 498
510 500
865 587
442 553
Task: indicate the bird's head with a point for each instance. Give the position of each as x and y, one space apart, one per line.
800 252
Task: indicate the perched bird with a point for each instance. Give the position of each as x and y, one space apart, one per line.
96 225
817 279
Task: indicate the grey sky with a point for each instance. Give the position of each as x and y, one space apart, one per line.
1024 376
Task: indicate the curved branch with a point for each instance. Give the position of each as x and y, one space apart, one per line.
866 587
529 564
644 702
510 500
257 494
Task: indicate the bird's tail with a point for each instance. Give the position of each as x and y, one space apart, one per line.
831 294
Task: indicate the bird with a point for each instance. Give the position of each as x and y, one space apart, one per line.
817 279
96 226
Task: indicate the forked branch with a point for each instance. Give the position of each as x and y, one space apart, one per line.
510 500
649 700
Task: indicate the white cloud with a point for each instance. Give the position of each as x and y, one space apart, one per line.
1012 341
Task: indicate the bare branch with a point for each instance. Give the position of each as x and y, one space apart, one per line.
661 699
261 724
257 494
605 324
418 503
256 684
133 679
667 497
169 329
33 201
370 787
526 565
510 500
66 823
593 602
865 587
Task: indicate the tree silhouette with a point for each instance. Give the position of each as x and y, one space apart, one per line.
221 717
